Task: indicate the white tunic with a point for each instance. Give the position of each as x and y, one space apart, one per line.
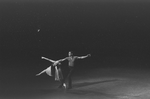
48 71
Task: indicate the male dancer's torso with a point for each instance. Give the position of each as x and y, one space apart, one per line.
71 61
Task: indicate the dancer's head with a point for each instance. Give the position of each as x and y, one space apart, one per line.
70 53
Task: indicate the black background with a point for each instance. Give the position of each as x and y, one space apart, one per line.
116 34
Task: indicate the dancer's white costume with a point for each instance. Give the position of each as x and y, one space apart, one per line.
58 73
47 70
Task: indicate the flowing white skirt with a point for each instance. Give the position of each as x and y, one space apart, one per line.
58 73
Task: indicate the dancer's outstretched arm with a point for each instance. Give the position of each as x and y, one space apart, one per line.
58 62
48 59
55 63
62 59
82 57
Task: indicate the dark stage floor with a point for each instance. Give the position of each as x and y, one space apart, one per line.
96 83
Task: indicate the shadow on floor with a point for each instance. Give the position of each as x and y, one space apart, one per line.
79 91
84 84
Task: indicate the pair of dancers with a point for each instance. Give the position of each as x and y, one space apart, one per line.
58 72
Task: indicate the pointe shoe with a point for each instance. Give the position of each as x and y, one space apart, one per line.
64 85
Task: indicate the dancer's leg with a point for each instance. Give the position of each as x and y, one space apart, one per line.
62 78
70 77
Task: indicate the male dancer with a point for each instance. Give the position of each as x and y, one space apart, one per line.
71 60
